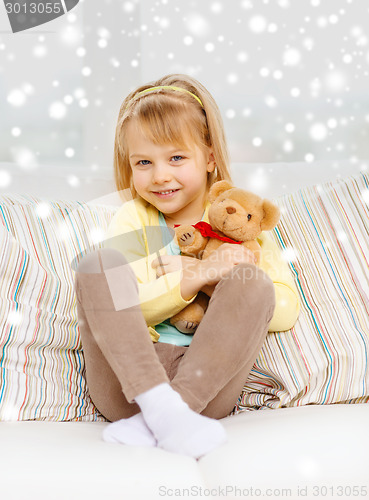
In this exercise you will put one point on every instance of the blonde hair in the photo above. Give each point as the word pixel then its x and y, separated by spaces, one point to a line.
pixel 167 116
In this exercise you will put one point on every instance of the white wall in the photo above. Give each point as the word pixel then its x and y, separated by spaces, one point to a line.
pixel 252 55
pixel 39 69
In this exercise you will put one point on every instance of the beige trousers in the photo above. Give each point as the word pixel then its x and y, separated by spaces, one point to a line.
pixel 122 361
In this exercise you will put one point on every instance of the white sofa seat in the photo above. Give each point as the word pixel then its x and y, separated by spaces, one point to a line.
pixel 297 450
pixel 290 448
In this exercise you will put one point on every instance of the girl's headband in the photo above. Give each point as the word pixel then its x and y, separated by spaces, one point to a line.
pixel 180 89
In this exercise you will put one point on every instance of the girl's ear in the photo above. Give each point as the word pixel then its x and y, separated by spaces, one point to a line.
pixel 211 161
pixel 217 188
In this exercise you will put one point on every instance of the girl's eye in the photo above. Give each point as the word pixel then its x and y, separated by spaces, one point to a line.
pixel 176 159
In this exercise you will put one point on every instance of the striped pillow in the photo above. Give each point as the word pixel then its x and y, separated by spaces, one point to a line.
pixel 41 362
pixel 324 233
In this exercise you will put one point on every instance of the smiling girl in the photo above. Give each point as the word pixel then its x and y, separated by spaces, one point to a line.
pixel 159 386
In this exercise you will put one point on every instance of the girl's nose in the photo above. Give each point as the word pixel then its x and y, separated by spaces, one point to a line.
pixel 161 174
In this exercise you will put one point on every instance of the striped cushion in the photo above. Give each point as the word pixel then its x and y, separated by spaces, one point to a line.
pixel 41 362
pixel 324 232
pixel 323 359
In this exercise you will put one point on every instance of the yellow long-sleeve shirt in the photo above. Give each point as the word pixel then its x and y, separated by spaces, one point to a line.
pixel 135 231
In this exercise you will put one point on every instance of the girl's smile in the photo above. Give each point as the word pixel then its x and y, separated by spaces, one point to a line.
pixel 166 194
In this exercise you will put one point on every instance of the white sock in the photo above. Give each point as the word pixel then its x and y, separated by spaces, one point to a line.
pixel 132 430
pixel 176 427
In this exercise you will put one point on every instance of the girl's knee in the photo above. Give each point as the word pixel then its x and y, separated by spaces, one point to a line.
pixel 249 279
pixel 100 260
pixel 105 273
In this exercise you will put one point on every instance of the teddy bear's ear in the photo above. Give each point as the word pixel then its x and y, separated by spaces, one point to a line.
pixel 217 188
pixel 271 215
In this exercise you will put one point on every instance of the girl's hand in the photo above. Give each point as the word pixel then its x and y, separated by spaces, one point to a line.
pixel 191 282
pixel 229 252
pixel 169 263
pixel 222 260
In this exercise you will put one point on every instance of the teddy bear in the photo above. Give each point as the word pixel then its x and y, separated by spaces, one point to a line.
pixel 235 216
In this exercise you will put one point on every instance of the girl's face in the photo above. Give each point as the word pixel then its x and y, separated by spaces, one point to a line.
pixel 173 180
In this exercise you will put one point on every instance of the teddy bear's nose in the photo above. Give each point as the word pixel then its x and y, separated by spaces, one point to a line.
pixel 231 210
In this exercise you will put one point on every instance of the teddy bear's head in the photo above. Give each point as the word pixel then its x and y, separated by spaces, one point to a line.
pixel 239 214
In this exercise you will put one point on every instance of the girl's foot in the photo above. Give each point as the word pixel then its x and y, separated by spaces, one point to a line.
pixel 132 430
pixel 176 427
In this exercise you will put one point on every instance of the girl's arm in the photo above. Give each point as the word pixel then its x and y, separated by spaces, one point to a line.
pixel 287 297
pixel 160 297
pixel 164 293
pixel 203 274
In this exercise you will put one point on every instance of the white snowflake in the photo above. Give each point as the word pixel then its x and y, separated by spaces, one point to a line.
pixel 5 179
pixel 57 110
pixel 83 103
pixel 308 43
pixel 14 318
pixel 288 146
pixel 188 40
pixel 73 181
pixel 70 35
pixel 216 7
pixel 232 78
pixel 39 51
pixel 277 74
pixel 16 131
pixel 69 152
pixel 16 98
pixel 68 99
pixel 335 81
pixel 128 6
pixel 291 57
pixel 97 234
pixel 257 24
pixel 289 254
pixel 295 92
pixel 197 25
pixel 43 210
pixel 230 113
pixel 271 101
pixel 81 51
pixel 209 47
pixel 102 43
pixel 114 62
pixel 242 57
pixel 365 196
pixel 86 71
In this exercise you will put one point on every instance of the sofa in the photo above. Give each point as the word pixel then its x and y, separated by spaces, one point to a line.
pixel 299 427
